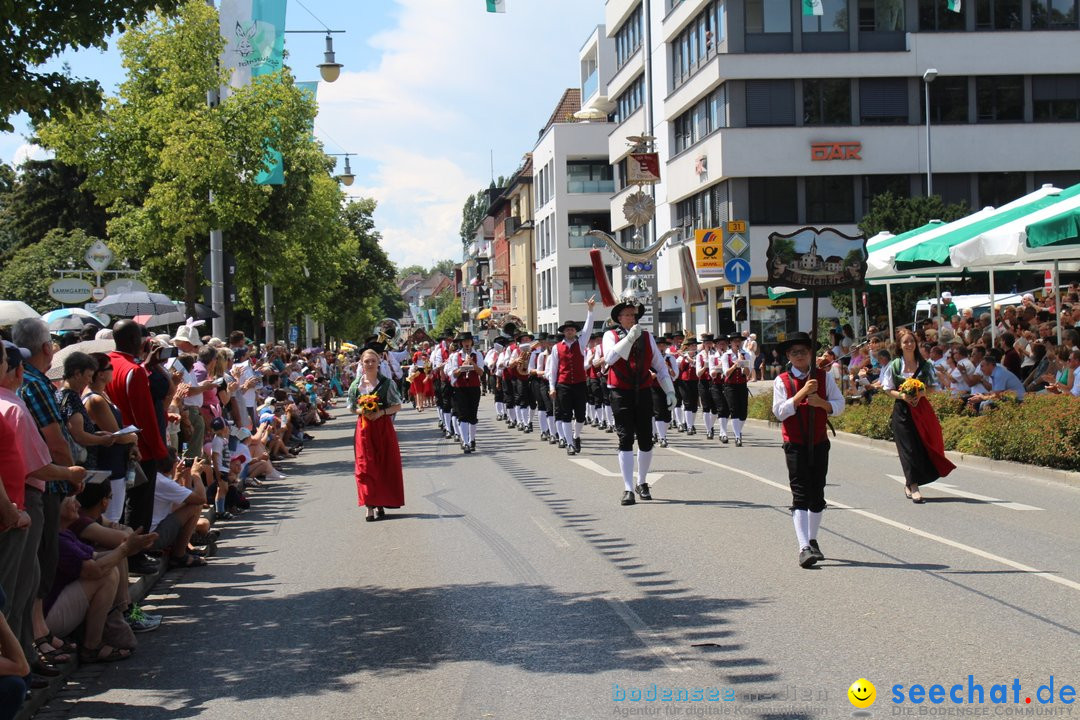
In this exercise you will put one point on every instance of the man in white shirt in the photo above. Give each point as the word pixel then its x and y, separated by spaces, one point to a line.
pixel 179 495
pixel 246 377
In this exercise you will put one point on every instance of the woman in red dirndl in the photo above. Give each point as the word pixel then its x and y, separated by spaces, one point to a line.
pixel 379 481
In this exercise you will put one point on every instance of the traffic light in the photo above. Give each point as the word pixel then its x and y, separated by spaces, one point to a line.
pixel 738 304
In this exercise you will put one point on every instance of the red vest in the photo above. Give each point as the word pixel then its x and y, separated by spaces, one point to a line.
pixel 794 428
pixel 737 376
pixel 632 374
pixel 590 369
pixel 469 379
pixel 510 371
pixel 571 363
pixel 686 370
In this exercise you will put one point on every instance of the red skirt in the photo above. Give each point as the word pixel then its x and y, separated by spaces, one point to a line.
pixel 379 481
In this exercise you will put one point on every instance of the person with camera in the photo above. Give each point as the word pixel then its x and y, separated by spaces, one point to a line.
pixel 631 353
pixel 179 496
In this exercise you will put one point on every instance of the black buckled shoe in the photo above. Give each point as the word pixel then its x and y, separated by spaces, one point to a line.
pixel 571 450
pixel 577 444
pixel 724 439
pixel 816 550
pixel 738 441
pixel 627 498
pixel 663 442
pixel 710 435
pixel 807 558
pixel 643 491
pixel 561 443
pixel 692 431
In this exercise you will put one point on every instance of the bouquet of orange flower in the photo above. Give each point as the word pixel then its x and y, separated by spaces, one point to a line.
pixel 367 403
pixel 912 387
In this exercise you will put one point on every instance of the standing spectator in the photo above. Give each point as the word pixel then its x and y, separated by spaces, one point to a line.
pixel 13 668
pixel 25 609
pixel 947 306
pixel 245 375
pixel 79 368
pixel 38 393
pixel 130 390
pixel 106 416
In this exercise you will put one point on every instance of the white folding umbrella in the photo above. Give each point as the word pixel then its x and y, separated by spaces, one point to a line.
pixel 12 311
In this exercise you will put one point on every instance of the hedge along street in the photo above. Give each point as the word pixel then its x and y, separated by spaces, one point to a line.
pixel 1041 431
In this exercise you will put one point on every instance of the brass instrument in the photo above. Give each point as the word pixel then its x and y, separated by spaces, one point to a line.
pixel 389 332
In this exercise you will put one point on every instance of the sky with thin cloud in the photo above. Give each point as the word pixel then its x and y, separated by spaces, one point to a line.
pixel 433 94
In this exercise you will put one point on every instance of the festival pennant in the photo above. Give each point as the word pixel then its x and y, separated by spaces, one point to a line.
pixel 813 7
pixel 954 5
pixel 496 6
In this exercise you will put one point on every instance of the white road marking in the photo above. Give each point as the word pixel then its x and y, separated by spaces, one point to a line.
pixel 599 469
pixel 648 637
pixel 900 526
pixel 953 490
pixel 551 532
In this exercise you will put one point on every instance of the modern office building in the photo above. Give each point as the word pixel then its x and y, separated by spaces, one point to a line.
pixel 572 184
pixel 784 120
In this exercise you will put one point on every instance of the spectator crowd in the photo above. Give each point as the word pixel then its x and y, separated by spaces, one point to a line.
pixel 117 449
pixel 979 357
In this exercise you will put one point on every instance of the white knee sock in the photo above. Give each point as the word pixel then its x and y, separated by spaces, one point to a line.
pixel 723 426
pixel 551 425
pixel 689 419
pixel 644 460
pixel 661 429
pixel 577 428
pixel 457 424
pixel 543 420
pixel 626 464
pixel 563 429
pixel 800 519
pixel 708 422
pixel 590 412
pixel 738 427
pixel 609 414
pixel 812 525
pixel 678 415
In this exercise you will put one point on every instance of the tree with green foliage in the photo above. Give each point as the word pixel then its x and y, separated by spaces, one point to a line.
pixel 474 210
pixel 36 31
pixel 897 214
pixel 30 271
pixel 449 320
pixel 154 154
pixel 47 195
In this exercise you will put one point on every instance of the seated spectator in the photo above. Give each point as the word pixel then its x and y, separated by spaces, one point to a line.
pixel 252 460
pixel 179 495
pixel 87 588
pixel 1001 382
pixel 1068 381
pixel 93 528
pixel 13 668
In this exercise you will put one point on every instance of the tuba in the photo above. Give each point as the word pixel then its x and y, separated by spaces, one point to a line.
pixel 389 332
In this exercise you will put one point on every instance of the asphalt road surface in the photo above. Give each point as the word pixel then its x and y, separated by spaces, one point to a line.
pixel 514 585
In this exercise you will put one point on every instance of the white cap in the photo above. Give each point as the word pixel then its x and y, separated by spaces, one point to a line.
pixel 946 295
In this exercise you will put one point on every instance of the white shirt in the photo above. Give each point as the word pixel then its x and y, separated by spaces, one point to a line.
pixel 736 357
pixel 243 372
pixel 194 398
pixel 167 495
pixel 457 359
pixel 783 407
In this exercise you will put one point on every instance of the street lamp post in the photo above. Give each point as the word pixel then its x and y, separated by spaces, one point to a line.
pixel 928 77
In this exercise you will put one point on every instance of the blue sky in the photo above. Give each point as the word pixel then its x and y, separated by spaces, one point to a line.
pixel 430 89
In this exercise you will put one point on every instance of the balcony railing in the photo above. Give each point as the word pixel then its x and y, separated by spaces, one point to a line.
pixel 590 186
pixel 589 87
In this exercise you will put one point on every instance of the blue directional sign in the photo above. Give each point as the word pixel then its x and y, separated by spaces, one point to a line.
pixel 737 271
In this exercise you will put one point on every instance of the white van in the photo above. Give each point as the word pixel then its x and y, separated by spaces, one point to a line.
pixel 978 304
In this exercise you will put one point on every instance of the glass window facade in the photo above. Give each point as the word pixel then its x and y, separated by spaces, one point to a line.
pixel 948 101
pixel 833 19
pixel 628 38
pixel 774 201
pixel 768 16
pixel 998 14
pixel 883 101
pixel 630 99
pixel 999 98
pixel 827 102
pixel 698 42
pixel 580 224
pixel 704 117
pixel 1054 14
pixel 770 103
pixel 1056 98
pixel 882 16
pixel 589 176
pixel 830 199
pixel 935 16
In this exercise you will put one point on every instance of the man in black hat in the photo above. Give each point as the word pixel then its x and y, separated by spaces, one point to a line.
pixel 661 411
pixel 439 355
pixel 687 378
pixel 518 364
pixel 545 404
pixel 721 411
pixel 701 366
pixel 465 369
pixel 735 366
pixel 631 353
pixel 804 396
pixel 594 404
pixel 566 380
pixel 491 362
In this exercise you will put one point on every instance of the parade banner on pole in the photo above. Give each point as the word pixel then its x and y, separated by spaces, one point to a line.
pixel 254 31
pixel 813 7
pixel 496 6
pixel 310 87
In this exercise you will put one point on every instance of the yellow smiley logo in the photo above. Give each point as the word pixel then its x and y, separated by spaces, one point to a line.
pixel 862 693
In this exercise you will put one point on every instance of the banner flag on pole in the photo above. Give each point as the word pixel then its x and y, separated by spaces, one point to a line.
pixel 311 87
pixel 954 5
pixel 254 31
pixel 496 6
pixel 813 7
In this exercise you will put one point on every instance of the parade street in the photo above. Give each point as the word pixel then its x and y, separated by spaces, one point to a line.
pixel 514 585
